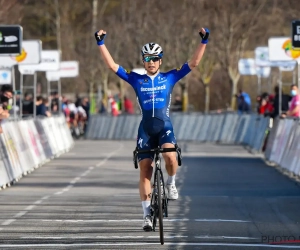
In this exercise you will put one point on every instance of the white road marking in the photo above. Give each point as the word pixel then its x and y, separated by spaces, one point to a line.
pixel 30 207
pixel 221 220
pixel 126 195
pixel 255 246
pixel 99 164
pixel 139 220
pixel 75 180
pixel 7 222
pixel 225 237
pixel 20 214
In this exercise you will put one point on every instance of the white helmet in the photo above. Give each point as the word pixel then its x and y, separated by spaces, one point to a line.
pixel 152 49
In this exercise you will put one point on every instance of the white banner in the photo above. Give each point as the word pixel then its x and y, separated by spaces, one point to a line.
pixel 263 72
pixel 288 66
pixel 247 67
pixel 262 56
pixel 31 54
pixel 49 62
pixel 280 49
pixel 67 69
pixel 5 76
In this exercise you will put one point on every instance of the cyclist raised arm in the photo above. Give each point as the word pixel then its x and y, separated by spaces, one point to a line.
pixel 109 61
pixel 154 92
pixel 204 33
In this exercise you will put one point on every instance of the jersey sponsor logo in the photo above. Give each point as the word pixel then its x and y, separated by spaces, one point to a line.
pixel 153 89
pixel 146 80
pixel 168 109
pixel 140 142
pixel 161 79
pixel 154 100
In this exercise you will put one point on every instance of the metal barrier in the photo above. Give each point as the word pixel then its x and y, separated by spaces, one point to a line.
pixel 28 144
pixel 283 146
pixel 227 128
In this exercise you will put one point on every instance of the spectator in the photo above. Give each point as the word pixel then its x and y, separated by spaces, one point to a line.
pixel 27 104
pixel 78 100
pixel 246 98
pixel 114 106
pixel 85 104
pixel 284 102
pixel 265 107
pixel 128 105
pixel 54 101
pixel 41 108
pixel 294 110
pixel 243 106
pixel 102 107
pixel 5 100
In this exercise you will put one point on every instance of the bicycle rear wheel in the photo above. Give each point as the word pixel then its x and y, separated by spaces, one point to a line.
pixel 160 211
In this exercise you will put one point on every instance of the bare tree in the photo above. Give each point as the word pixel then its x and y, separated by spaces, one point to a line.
pixel 235 21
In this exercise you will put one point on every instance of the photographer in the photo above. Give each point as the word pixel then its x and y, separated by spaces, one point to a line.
pixel 6 95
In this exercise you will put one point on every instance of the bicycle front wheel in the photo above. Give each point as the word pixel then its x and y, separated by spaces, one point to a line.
pixel 160 211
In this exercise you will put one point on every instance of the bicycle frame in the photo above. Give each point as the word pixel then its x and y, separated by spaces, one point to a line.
pixel 162 183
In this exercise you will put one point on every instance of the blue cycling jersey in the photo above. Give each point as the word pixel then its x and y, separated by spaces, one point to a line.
pixel 154 93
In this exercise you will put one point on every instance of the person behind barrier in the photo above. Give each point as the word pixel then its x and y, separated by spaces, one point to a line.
pixel 41 108
pixel 284 102
pixel 243 102
pixel 6 96
pixel 153 91
pixel 294 110
pixel 27 105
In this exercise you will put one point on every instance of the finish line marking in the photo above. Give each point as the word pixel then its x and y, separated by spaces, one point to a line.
pixel 145 243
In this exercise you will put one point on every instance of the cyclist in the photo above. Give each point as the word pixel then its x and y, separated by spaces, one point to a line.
pixel 153 92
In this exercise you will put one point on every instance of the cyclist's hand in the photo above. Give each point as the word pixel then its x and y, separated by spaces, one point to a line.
pixel 100 35
pixel 204 34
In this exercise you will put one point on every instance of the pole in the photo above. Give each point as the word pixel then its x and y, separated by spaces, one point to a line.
pixel 280 92
pixel 258 84
pixel 21 95
pixel 59 96
pixel 14 90
pixel 298 62
pixel 48 91
pixel 34 94
pixel 270 83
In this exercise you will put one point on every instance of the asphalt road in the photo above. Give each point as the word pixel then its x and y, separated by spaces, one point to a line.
pixel 88 199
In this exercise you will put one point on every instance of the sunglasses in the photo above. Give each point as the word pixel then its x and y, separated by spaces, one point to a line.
pixel 151 58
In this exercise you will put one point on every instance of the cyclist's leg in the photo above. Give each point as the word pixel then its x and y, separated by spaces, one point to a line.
pixel 145 161
pixel 168 140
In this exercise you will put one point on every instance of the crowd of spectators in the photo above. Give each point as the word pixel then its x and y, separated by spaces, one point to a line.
pixel 268 104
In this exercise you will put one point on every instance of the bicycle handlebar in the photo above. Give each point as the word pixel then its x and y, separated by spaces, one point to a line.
pixel 157 150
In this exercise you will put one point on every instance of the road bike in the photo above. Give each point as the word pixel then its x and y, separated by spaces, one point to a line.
pixel 159 199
